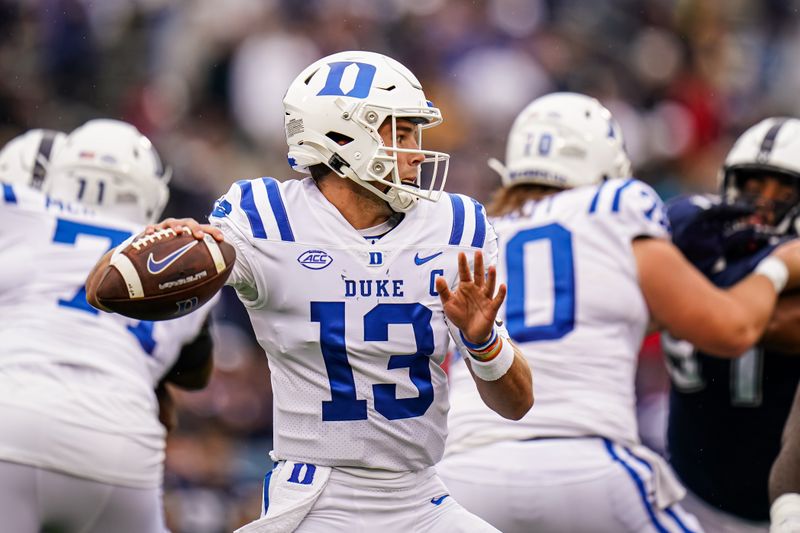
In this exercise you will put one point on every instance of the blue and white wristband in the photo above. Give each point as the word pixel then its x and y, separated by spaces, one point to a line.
pixel 479 347
pixel 491 360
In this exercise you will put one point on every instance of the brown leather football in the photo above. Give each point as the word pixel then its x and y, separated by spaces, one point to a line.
pixel 164 275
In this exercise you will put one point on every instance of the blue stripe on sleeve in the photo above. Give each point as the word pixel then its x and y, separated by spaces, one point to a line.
pixel 278 209
pixel 618 195
pixel 639 486
pixel 596 198
pixel 8 194
pixel 480 226
pixel 458 219
pixel 248 205
pixel 267 480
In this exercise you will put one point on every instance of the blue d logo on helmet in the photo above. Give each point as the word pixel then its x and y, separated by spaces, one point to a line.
pixel 334 110
pixel 361 87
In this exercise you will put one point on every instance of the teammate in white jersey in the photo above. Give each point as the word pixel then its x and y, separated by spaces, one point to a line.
pixel 81 446
pixel 585 253
pixel 355 279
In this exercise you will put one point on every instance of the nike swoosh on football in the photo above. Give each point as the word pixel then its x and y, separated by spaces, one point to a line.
pixel 439 500
pixel 422 260
pixel 155 266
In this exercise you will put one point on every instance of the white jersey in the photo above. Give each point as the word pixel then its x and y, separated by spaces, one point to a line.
pixel 64 359
pixel 353 328
pixel 575 309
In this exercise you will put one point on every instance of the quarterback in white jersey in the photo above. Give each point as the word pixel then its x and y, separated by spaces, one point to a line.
pixel 82 448
pixel 346 276
pixel 584 251
pixel 326 303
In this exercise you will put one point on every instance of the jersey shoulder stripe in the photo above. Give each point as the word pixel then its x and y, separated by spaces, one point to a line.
pixel 278 209
pixel 596 197
pixel 9 196
pixel 468 223
pixel 257 208
pixel 480 225
pixel 248 205
pixel 458 219
pixel 601 195
pixel 618 195
pixel 631 205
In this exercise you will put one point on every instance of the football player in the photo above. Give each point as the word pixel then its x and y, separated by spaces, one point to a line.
pixel 81 446
pixel 745 399
pixel 355 279
pixel 585 252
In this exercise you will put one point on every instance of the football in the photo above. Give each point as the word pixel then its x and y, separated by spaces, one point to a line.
pixel 164 275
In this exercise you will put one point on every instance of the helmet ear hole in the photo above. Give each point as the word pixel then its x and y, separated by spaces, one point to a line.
pixel 339 138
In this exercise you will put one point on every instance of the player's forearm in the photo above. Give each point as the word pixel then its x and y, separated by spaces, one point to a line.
pixel 682 300
pixel 510 396
pixel 783 331
pixel 748 306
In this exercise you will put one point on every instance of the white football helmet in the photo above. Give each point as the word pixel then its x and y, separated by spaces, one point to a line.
pixel 563 140
pixel 333 111
pixel 111 166
pixel 771 147
pixel 24 160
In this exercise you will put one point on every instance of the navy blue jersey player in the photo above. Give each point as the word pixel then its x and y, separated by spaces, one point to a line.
pixel 727 414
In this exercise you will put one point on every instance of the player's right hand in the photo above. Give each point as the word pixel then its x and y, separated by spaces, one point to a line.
pixel 177 224
pixel 789 253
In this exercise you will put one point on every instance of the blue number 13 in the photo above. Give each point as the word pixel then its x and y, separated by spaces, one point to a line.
pixel 344 403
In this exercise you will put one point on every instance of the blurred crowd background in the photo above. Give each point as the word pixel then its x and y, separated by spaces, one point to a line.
pixel 204 79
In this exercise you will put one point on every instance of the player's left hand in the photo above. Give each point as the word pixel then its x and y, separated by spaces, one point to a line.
pixel 472 307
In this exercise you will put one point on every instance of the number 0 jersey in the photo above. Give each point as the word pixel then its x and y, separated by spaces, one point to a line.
pixel 353 327
pixel 575 310
pixel 63 358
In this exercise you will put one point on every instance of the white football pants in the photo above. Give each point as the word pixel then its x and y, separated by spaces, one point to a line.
pixel 414 502
pixel 32 498
pixel 560 486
